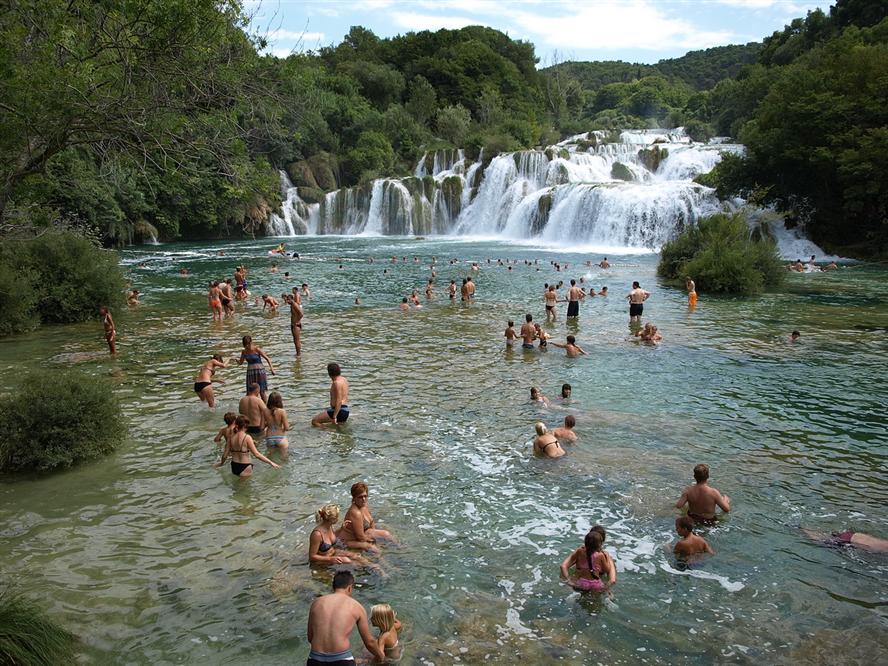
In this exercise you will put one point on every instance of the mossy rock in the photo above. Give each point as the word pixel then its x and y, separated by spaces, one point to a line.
pixel 564 154
pixel 660 139
pixel 621 172
pixel 310 195
pixel 300 174
pixel 651 158
pixel 584 146
pixel 325 169
pixel 451 190
pixel 541 217
pixel 550 153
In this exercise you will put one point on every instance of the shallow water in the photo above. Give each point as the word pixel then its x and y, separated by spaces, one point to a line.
pixel 152 556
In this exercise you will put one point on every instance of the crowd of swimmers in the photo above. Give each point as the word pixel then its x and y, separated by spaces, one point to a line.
pixel 357 540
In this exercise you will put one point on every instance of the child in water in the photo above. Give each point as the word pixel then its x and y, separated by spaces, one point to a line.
pixel 690 545
pixel 384 618
pixel 225 432
pixel 510 335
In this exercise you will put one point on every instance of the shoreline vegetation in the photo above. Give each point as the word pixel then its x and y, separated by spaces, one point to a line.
pixel 28 637
pixel 175 156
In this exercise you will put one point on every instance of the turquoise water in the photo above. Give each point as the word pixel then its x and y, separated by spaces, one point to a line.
pixel 152 556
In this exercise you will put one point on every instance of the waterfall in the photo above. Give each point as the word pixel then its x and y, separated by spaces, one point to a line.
pixel 634 189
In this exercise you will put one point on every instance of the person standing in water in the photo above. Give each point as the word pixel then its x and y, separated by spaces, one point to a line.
pixel 692 291
pixel 338 412
pixel 451 290
pixel 296 315
pixel 604 263
pixel 110 330
pixel 702 499
pixel 331 620
pixel 510 335
pixel 255 370
pixel 546 444
pixel 551 298
pixel 571 347
pixel 239 447
pixel 429 289
pixel 254 408
pixel 214 298
pixel 690 544
pixel 636 299
pixel 591 562
pixel 470 288
pixel 227 297
pixel 276 423
pixel 203 383
pixel 574 295
pixel 528 332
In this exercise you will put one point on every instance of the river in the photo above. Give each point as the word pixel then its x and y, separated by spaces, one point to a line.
pixel 152 556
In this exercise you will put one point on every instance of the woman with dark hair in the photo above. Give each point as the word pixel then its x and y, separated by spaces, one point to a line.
pixel 255 370
pixel 203 383
pixel 591 563
pixel 359 530
pixel 238 447
pixel 277 425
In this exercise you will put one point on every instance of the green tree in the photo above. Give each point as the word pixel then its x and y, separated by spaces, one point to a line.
pixel 422 101
pixel 453 123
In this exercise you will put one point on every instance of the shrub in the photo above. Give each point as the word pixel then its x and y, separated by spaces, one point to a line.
pixel 28 637
pixel 722 257
pixel 57 418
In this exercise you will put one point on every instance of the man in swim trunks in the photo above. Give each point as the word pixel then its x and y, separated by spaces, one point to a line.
pixel 464 290
pixel 470 288
pixel 331 619
pixel 702 499
pixel 269 302
pixel 252 407
pixel 110 331
pixel 636 299
pixel 574 295
pixel 296 315
pixel 451 290
pixel 227 297
pixel 337 413
pixel 566 432
pixel 528 333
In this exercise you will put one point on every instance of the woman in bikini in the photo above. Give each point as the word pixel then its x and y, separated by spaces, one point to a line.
pixel 590 563
pixel 359 530
pixel 203 383
pixel 277 425
pixel 239 447
pixel 255 370
pixel 546 444
pixel 322 540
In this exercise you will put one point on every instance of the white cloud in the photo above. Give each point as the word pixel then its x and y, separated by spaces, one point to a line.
pixel 288 35
pixel 415 21
pixel 637 24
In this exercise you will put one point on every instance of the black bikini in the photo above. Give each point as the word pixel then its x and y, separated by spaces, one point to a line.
pixel 324 546
pixel 238 468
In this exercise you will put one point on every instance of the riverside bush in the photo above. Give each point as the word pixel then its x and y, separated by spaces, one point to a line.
pixel 721 256
pixel 57 418
pixel 59 277
pixel 28 637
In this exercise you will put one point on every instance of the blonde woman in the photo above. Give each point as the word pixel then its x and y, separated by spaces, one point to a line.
pixel 546 444
pixel 322 540
pixel 383 617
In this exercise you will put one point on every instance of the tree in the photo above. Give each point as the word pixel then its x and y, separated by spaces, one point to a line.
pixel 422 101
pixel 453 123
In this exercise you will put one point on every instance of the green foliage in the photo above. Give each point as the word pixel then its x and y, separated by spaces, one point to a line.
pixel 697 130
pixel 721 256
pixel 453 123
pixel 58 277
pixel 422 101
pixel 372 154
pixel 28 637
pixel 56 418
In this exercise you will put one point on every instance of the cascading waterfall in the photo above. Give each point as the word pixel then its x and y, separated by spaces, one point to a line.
pixel 637 192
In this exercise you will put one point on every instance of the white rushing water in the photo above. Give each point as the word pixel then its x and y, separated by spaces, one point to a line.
pixel 635 191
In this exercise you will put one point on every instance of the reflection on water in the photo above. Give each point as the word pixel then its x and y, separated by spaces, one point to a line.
pixel 153 556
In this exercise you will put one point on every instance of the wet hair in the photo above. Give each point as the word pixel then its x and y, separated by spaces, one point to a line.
pixel 635 285
pixel 342 580
pixel 229 418
pixel 604 289
pixel 534 391
pixel 264 295
pixel 551 287
pixel 528 318
pixel 701 473
pixel 247 340
pixel 254 387
pixel 573 283
pixel 565 387
pixel 592 542
pixel 540 428
pixel 275 401
pixel 571 339
pixel 511 323
pixel 333 369
pixel 404 300
pixel 601 531
pixel 383 617
pixel 796 334
pixel 241 422
pixel 685 523
pixel 570 421
pixel 329 513
pixel 287 274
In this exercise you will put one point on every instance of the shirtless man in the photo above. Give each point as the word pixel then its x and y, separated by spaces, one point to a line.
pixel 464 290
pixel 451 290
pixel 636 299
pixel 603 291
pixel 470 288
pixel 795 336
pixel 604 263
pixel 574 296
pixel 110 331
pixel 227 297
pixel 296 315
pixel 528 332
pixel 252 407
pixel 566 433
pixel 331 619
pixel 337 413
pixel 132 297
pixel 240 281
pixel 551 298
pixel 702 499
pixel 831 266
pixel 690 544
pixel 214 298
pixel 269 302
pixel 572 349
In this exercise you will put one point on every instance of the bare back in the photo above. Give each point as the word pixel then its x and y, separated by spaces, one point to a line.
pixel 254 409
pixel 339 391
pixel 702 499
pixel 331 620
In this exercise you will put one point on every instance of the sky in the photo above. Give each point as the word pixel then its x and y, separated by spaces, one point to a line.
pixel 633 30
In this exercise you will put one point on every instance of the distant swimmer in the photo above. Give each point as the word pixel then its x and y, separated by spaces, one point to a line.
pixel 214 298
pixel 546 444
pixel 183 272
pixel 574 296
pixel 414 298
pixel 551 298
pixel 590 563
pixel 269 302
pixel 203 383
pixel 690 544
pixel 338 412
pixel 571 347
pixel 603 291
pixel 306 292
pixel 405 305
pixel 239 448
pixel 566 432
pixel 331 620
pixel 451 290
pixel 536 396
pixel 276 423
pixel 692 291
pixel 795 336
pixel 702 499
pixel 849 538
pixel 464 290
pixel 831 266
pixel 357 300
pixel 510 335
pixel 110 330
pixel 132 297
pixel 636 299
pixel 528 332
pixel 604 263
pixel 253 356
pixel 565 392
pixel 470 287
pixel 274 268
pixel 649 333
pixel 429 289
pixel 253 408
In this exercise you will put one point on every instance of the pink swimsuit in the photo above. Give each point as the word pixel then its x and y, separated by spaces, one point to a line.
pixel 589 584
